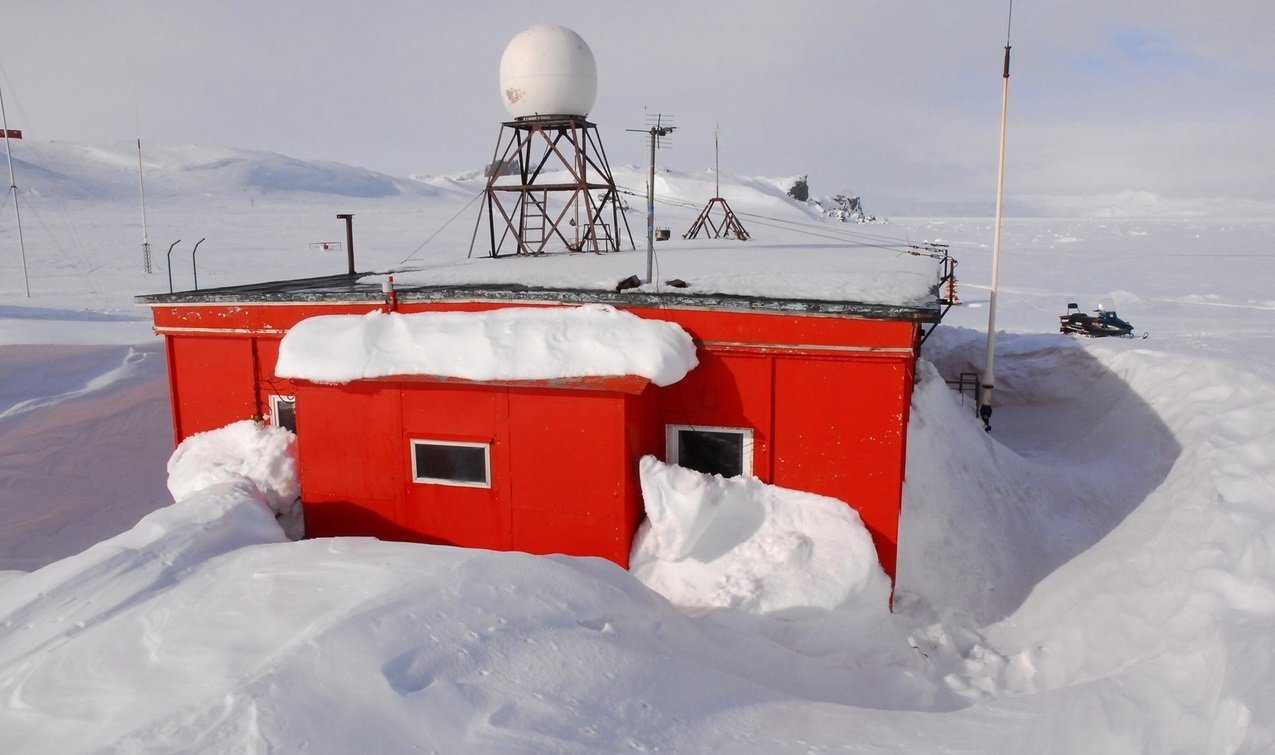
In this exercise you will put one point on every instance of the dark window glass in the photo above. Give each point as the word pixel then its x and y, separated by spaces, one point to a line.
pixel 711 452
pixel 285 414
pixel 466 464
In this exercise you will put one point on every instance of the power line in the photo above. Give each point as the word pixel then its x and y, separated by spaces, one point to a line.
pixel 442 227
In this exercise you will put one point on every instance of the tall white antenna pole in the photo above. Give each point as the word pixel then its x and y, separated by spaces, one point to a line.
pixel 989 371
pixel 141 186
pixel 13 189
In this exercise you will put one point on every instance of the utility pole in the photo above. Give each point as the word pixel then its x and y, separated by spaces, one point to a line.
pixel 656 131
pixel 13 190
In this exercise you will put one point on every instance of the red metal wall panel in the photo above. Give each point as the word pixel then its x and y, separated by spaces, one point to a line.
pixel 471 516
pixel 725 326
pixel 244 318
pixel 211 382
pixel 562 465
pixel 839 431
pixel 349 454
pixel 727 390
pixel 568 471
pixel 267 356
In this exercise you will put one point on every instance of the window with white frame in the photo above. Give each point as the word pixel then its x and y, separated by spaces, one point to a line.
pixel 283 412
pixel 727 451
pixel 441 462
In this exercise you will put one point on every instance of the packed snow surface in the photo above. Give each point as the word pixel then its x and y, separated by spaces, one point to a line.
pixel 517 343
pixel 1095 575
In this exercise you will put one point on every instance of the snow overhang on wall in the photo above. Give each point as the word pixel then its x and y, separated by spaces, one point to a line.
pixel 511 344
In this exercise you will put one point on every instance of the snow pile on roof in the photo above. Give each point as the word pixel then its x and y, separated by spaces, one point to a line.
pixel 262 456
pixel 520 343
pixel 738 543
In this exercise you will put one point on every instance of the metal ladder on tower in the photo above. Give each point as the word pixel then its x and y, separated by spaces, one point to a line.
pixel 534 222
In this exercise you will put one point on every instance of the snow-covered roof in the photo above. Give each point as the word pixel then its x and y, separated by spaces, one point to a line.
pixel 803 271
pixel 511 344
pixel 832 278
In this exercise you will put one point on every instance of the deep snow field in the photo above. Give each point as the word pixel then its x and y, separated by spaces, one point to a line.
pixel 1096 575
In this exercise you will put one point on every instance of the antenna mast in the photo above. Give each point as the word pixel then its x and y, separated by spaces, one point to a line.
pixel 656 130
pixel 146 242
pixel 717 165
pixel 730 223
pixel 13 189
pixel 989 372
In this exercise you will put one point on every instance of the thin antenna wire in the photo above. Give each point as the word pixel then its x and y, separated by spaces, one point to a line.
pixel 989 371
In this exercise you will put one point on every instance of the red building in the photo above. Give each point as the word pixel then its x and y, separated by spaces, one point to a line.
pixel 804 394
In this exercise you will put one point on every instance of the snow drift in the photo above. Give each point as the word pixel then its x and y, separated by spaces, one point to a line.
pixel 261 455
pixel 202 628
pixel 738 543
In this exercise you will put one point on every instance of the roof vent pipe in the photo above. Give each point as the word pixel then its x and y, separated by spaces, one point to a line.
pixel 349 239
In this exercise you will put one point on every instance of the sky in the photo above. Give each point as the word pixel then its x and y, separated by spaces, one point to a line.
pixel 899 102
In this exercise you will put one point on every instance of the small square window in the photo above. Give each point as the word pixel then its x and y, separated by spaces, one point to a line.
pixel 727 451
pixel 451 463
pixel 283 412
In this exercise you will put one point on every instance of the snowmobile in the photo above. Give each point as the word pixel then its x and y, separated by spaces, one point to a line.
pixel 1104 323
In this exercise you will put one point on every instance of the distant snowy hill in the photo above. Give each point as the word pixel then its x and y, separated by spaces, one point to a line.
pixel 110 172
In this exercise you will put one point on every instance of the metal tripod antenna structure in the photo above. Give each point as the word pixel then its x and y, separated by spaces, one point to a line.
pixel 730 224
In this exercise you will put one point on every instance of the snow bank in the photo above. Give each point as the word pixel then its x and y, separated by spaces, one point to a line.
pixel 1074 448
pixel 208 637
pixel 518 343
pixel 47 614
pixel 262 455
pixel 711 542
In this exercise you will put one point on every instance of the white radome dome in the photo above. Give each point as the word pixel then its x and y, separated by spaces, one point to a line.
pixel 548 70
